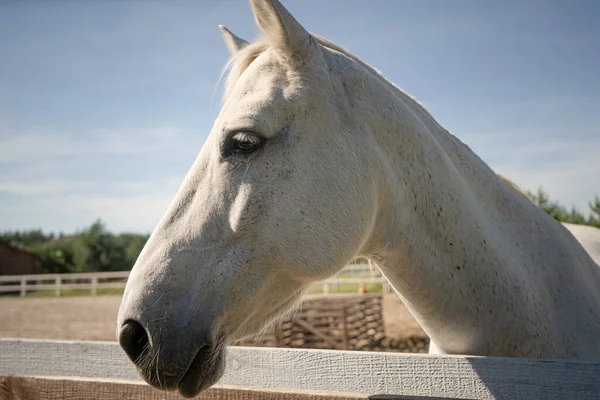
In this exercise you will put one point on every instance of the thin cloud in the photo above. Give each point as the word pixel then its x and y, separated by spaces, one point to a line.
pixel 65 187
pixel 124 206
pixel 568 171
pixel 32 147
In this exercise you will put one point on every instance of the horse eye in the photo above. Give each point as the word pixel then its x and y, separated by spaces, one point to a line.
pixel 244 143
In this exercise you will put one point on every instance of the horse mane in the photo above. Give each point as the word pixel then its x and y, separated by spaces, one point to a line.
pixel 241 60
pixel 513 186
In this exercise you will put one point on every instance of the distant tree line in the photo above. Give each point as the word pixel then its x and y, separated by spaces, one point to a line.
pixel 90 250
pixel 96 249
pixel 563 214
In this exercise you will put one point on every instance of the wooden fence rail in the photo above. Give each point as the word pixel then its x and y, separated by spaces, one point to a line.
pixel 91 281
pixel 359 274
pixel 34 366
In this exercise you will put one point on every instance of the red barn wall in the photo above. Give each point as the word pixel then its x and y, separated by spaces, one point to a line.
pixel 16 262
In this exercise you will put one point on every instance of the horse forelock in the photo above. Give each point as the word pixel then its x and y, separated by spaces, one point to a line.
pixel 240 61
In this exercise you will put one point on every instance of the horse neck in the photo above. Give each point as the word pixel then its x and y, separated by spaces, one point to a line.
pixel 439 206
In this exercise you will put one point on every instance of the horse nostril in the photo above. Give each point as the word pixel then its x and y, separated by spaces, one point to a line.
pixel 134 340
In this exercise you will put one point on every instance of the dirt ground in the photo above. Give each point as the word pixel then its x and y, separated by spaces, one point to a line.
pixel 93 318
pixel 398 321
pixel 76 318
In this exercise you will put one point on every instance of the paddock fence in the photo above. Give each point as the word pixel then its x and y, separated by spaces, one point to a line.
pixel 36 369
pixel 352 276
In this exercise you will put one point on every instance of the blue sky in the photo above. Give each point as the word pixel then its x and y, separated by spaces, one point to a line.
pixel 104 105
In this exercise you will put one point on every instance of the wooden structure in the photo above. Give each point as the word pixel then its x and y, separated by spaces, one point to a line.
pixel 36 369
pixel 329 322
pixel 15 261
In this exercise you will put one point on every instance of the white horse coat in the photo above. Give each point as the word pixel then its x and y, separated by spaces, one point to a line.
pixel 588 236
pixel 315 159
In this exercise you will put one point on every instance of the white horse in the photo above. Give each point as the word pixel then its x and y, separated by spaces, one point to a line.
pixel 315 159
pixel 587 236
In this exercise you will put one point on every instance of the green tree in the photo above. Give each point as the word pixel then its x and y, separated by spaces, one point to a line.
pixel 95 249
pixel 560 213
pixel 553 209
pixel 133 245
pixel 594 218
pixel 53 259
pixel 92 249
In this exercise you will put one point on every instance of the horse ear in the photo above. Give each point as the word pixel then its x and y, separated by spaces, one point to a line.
pixel 233 42
pixel 280 27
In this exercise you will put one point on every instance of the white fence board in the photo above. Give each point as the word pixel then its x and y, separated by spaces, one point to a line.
pixel 360 273
pixel 363 268
pixel 77 275
pixel 344 371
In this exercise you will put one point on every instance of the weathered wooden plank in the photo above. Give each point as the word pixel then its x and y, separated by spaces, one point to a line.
pixel 318 333
pixel 63 388
pixel 10 288
pixel 346 371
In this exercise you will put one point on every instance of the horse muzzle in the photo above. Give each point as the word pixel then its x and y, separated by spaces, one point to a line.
pixel 164 365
